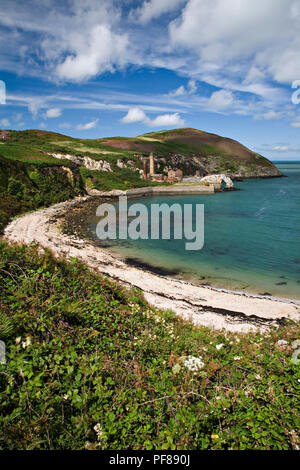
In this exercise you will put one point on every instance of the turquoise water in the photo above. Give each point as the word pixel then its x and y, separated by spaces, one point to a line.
pixel 252 238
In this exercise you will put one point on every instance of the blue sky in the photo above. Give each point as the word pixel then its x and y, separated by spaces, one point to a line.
pixel 98 68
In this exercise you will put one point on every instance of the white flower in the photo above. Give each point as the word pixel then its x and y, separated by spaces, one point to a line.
pixel 193 363
pixel 283 343
pixel 66 396
pixel 236 358
pixel 219 346
pixel 176 369
pixel 98 430
pixel 26 343
pixel 18 340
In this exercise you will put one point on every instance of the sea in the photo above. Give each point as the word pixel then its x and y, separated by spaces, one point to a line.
pixel 252 238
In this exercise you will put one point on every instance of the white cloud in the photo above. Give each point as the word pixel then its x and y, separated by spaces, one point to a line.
pixel 220 100
pixel 280 147
pixel 166 120
pixel 178 92
pixel 252 37
pixel 284 148
pixel 269 115
pixel 34 106
pixel 237 45
pixel 87 126
pixel 191 88
pixel 53 113
pixel 163 120
pixel 152 9
pixel 5 122
pixel 95 52
pixel 134 115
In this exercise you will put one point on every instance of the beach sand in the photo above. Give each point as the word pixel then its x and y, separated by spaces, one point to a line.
pixel 236 312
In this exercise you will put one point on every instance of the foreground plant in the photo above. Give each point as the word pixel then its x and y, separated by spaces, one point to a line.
pixel 90 365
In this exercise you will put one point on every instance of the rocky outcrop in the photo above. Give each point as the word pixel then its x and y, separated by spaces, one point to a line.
pixel 87 162
pixel 217 181
pixel 233 167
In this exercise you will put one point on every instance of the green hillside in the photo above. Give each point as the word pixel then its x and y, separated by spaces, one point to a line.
pixel 30 177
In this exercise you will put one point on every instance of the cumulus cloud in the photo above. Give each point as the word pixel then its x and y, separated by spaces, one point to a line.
pixel 245 46
pixel 95 52
pixel 71 40
pixel 220 100
pixel 152 9
pixel 163 120
pixel 166 120
pixel 53 113
pixel 182 90
pixel 134 115
pixel 87 126
pixel 229 32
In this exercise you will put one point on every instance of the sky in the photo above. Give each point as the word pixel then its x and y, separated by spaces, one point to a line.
pixel 99 68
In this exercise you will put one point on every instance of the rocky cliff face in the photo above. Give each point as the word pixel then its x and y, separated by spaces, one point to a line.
pixel 233 167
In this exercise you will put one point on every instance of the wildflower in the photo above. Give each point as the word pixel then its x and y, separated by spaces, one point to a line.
pixel 194 363
pixel 296 344
pixel 18 340
pixel 215 436
pixel 98 430
pixel 176 369
pixel 236 358
pixel 282 343
pixel 26 343
pixel 66 396
pixel 219 346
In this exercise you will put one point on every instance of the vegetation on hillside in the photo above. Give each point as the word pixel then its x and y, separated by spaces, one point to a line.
pixel 26 186
pixel 91 366
pixel 31 178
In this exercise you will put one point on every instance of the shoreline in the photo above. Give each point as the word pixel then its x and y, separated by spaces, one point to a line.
pixel 203 305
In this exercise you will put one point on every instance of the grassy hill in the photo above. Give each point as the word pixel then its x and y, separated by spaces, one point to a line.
pixel 192 149
pixel 30 177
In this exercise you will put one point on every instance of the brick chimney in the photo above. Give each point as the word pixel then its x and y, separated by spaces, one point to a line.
pixel 152 171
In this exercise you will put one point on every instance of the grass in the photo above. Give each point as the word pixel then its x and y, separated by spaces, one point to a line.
pixel 90 365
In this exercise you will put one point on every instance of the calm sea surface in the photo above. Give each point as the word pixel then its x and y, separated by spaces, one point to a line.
pixel 252 238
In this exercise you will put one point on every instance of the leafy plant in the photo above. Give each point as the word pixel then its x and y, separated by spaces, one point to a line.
pixel 6 326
